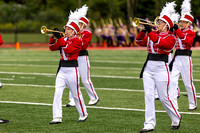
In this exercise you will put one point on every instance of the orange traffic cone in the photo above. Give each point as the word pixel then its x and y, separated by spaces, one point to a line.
pixel 17 45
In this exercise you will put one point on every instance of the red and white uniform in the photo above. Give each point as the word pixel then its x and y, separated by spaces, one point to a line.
pixel 182 65
pixel 68 74
pixel 84 65
pixel 86 36
pixel 156 75
pixel 1 40
pixel 1 43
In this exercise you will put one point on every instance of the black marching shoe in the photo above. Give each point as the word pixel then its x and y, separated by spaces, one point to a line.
pixel 146 130
pixel 1 85
pixel 157 99
pixel 93 102
pixel 71 104
pixel 176 126
pixel 83 118
pixel 3 121
pixel 56 121
pixel 192 109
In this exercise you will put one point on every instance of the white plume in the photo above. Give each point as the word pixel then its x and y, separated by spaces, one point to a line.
pixel 83 10
pixel 175 17
pixel 74 16
pixel 186 7
pixel 168 9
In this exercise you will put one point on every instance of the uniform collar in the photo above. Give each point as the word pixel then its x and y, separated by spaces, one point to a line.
pixel 164 33
pixel 184 30
pixel 71 37
pixel 83 30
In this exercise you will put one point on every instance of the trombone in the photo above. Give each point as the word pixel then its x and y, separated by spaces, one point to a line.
pixel 138 21
pixel 44 31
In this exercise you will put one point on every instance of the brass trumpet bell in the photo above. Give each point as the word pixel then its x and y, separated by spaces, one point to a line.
pixel 44 31
pixel 138 21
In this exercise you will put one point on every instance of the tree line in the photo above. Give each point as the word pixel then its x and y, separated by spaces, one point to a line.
pixel 32 14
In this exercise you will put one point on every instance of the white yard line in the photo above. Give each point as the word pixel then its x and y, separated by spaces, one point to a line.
pixel 57 60
pixel 28 65
pixel 93 67
pixel 23 73
pixel 30 85
pixel 97 76
pixel 27 77
pixel 6 79
pixel 96 107
pixel 108 89
pixel 118 62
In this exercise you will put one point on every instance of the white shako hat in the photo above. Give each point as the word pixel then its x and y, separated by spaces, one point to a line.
pixel 83 11
pixel 73 21
pixel 185 11
pixel 167 12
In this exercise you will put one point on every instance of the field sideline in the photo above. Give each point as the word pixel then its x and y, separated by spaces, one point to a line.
pixel 28 78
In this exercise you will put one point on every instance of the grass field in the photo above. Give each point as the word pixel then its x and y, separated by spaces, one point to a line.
pixel 26 98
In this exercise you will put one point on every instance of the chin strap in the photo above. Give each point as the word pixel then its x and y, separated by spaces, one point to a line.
pixel 71 34
pixel 163 27
pixel 187 25
pixel 81 28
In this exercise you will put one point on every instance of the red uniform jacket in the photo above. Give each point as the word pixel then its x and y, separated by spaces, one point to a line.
pixel 69 49
pixel 185 39
pixel 1 41
pixel 156 42
pixel 86 37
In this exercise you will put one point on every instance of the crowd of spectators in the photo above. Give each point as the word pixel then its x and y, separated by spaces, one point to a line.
pixel 120 35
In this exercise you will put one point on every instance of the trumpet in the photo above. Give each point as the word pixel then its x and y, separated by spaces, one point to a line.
pixel 138 21
pixel 44 31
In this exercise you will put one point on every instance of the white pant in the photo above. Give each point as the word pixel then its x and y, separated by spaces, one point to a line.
pixel 170 57
pixel 156 75
pixel 68 76
pixel 183 66
pixel 84 70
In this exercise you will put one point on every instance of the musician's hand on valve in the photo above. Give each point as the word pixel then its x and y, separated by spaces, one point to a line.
pixel 56 34
pixel 148 28
pixel 175 27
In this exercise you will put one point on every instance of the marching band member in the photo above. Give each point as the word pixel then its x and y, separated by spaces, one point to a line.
pixel 170 57
pixel 1 43
pixel 83 60
pixel 68 72
pixel 182 64
pixel 2 120
pixel 155 72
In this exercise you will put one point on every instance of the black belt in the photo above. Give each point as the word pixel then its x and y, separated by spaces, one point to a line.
pixel 83 52
pixel 154 57
pixel 179 53
pixel 183 52
pixel 67 63
pixel 158 57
